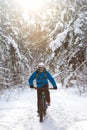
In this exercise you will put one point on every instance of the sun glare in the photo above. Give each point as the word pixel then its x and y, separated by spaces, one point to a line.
pixel 33 5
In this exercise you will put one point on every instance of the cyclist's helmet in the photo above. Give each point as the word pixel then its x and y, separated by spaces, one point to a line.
pixel 41 65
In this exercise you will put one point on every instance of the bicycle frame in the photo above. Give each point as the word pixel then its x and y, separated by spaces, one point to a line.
pixel 42 104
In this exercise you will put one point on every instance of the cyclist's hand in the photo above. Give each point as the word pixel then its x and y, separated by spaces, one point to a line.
pixel 54 87
pixel 31 86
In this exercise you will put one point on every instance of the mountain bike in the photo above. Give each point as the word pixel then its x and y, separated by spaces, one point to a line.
pixel 42 105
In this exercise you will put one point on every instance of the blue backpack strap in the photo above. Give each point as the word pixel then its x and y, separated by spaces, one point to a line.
pixel 45 76
pixel 36 73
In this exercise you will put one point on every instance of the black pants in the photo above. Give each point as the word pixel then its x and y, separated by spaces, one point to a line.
pixel 47 95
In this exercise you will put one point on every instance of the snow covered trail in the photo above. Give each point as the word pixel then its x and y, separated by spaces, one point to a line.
pixel 18 111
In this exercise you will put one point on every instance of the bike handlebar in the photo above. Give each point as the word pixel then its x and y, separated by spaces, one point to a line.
pixel 43 88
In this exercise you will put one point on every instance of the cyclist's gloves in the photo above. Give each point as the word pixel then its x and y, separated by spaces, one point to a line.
pixel 54 87
pixel 31 86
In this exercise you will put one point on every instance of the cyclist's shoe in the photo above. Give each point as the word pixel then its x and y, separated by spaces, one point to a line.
pixel 38 113
pixel 48 104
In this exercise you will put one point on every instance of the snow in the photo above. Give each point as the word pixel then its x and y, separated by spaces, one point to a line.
pixel 59 25
pixel 68 110
pixel 78 25
pixel 14 44
pixel 59 40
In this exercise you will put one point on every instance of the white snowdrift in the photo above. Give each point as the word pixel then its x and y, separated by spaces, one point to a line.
pixel 18 108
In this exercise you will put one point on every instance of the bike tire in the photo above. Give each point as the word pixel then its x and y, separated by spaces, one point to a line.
pixel 41 116
pixel 43 110
pixel 41 113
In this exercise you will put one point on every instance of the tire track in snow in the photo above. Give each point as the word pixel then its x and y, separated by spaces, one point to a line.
pixel 20 113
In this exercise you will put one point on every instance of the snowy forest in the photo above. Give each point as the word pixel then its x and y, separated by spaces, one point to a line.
pixel 53 32
pixel 56 35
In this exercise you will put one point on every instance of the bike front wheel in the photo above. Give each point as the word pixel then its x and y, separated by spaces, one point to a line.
pixel 42 110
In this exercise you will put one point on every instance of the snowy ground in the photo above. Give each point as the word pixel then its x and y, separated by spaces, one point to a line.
pixel 68 111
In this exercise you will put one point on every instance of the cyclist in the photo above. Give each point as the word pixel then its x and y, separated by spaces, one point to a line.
pixel 42 76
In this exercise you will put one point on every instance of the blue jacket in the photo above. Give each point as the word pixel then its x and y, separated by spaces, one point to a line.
pixel 41 79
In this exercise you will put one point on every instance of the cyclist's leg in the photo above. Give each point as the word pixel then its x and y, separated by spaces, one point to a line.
pixel 47 94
